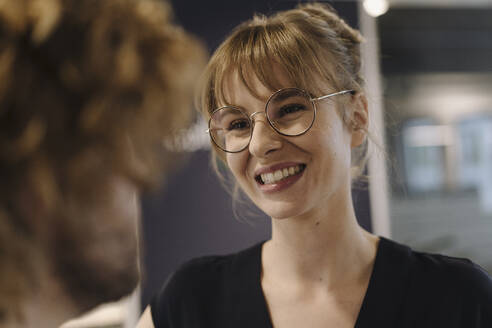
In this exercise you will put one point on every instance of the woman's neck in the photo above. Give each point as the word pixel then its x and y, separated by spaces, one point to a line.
pixel 326 246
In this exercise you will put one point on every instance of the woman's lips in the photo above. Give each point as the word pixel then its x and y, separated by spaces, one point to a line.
pixel 280 178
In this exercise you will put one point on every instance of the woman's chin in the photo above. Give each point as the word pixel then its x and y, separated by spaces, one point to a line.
pixel 282 212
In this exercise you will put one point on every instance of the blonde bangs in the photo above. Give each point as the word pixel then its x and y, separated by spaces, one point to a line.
pixel 258 50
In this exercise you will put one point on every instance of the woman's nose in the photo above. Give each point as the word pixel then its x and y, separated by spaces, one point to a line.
pixel 264 139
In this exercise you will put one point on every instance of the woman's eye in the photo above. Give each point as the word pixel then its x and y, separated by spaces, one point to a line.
pixel 290 109
pixel 238 125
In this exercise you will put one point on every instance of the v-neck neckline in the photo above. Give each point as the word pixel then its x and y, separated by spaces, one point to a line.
pixel 383 296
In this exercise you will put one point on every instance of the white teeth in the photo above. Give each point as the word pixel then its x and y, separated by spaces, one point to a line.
pixel 278 175
pixel 272 177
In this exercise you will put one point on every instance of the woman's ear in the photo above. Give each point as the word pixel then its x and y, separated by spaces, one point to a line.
pixel 359 119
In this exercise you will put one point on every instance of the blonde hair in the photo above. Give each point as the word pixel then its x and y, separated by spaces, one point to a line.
pixel 310 42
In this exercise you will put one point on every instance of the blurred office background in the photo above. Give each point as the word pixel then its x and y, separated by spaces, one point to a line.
pixel 429 72
pixel 437 83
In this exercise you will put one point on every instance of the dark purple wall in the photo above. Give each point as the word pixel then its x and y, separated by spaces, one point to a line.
pixel 192 215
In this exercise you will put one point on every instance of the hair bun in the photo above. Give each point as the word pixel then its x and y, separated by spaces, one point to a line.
pixel 330 16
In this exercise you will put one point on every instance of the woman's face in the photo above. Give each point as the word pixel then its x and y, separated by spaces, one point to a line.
pixel 317 163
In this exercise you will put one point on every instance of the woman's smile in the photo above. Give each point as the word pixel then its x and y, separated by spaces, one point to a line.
pixel 278 177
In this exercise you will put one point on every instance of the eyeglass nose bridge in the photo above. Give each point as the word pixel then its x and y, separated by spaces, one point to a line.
pixel 253 121
pixel 256 113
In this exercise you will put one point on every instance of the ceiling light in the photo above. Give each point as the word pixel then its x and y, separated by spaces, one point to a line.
pixel 376 8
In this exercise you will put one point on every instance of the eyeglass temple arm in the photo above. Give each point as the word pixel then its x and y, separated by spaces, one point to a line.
pixel 352 92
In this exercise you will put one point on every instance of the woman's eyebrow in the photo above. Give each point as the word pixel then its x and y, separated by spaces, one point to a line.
pixel 220 114
pixel 286 94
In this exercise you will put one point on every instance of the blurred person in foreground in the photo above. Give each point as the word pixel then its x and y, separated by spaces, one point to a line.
pixel 88 91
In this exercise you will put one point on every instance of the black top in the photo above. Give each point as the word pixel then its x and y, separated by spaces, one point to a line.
pixel 406 289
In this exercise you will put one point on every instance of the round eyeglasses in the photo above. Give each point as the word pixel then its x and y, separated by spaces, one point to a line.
pixel 290 112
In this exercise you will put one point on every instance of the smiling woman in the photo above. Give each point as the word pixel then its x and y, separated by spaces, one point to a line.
pixel 288 116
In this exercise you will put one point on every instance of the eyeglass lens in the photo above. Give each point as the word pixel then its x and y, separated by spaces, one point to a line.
pixel 289 111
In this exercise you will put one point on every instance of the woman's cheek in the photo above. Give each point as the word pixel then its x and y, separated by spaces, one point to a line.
pixel 238 163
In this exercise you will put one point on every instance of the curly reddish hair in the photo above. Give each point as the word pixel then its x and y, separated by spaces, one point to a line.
pixel 88 88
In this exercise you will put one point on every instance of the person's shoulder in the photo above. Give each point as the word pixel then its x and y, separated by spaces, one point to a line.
pixel 453 267
pixel 200 268
pixel 213 267
pixel 448 273
pixel 204 289
pixel 201 285
pixel 460 273
pixel 207 274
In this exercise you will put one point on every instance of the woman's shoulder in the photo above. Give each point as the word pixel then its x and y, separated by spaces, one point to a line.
pixel 446 274
pixel 216 267
pixel 204 284
pixel 457 275
pixel 423 289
